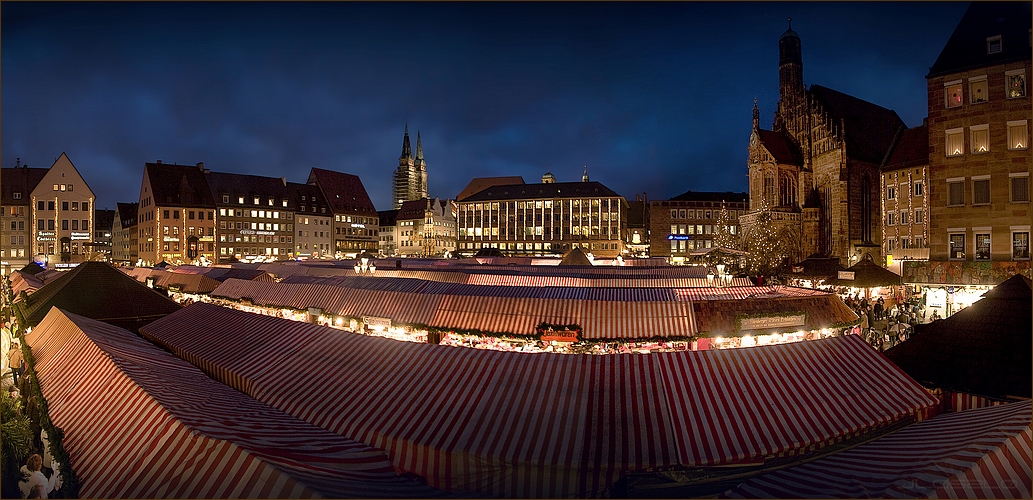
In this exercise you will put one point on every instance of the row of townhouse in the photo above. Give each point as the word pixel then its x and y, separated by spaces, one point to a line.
pixel 190 214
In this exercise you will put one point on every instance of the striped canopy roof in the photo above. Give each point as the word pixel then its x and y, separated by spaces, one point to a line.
pixel 517 424
pixel 983 453
pixel 603 313
pixel 140 423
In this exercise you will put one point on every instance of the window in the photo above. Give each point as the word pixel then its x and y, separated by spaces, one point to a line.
pixel 40 205
pixel 17 196
pixel 952 94
pixel 50 205
pixel 982 246
pixel 955 192
pixel 190 214
pixel 919 188
pixel 55 187
pixel 240 200
pixel 890 218
pixel 64 205
pixel 165 214
pixel 225 198
pixel 64 224
pixel 981 190
pixel 905 217
pixel 993 45
pixel 890 244
pixel 175 214
pixel 1015 82
pixel 980 138
pixel 891 193
pixel 1020 245
pixel 1019 187
pixel 977 90
pixel 69 187
pixel 957 246
pixel 1018 135
pixel 955 142
pixel 50 224
pixel 75 225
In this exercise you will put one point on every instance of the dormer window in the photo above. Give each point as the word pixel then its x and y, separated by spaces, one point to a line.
pixel 225 198
pixel 17 196
pixel 257 201
pixel 240 199
pixel 993 45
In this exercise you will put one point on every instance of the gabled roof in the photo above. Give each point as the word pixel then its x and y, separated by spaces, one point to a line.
pixel 412 209
pixel 867 274
pixel 103 219
pixel 575 257
pixel 179 185
pixel 910 150
pixel 637 213
pixel 126 212
pixel 982 349
pixel 313 200
pixel 248 186
pixel 784 151
pixel 479 184
pixel 554 190
pixel 869 128
pixel 20 180
pixel 726 196
pixel 99 291
pixel 345 192
pixel 967 46
pixel 387 218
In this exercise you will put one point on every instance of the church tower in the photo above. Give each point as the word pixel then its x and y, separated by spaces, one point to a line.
pixel 420 171
pixel 792 114
pixel 406 164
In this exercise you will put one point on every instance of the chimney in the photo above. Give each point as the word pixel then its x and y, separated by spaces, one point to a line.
pixel 159 162
pixel 17 162
pixel 200 166
pixel 283 180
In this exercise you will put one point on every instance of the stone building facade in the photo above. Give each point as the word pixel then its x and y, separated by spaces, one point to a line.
pixel 426 228
pixel 124 246
pixel 979 121
pixel 905 203
pixel 817 169
pixel 549 218
pixel 689 222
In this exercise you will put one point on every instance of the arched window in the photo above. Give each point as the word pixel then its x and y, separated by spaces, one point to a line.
pixel 770 192
pixel 787 189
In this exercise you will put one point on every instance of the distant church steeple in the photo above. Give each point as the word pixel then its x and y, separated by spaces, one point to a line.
pixel 584 176
pixel 756 115
pixel 410 180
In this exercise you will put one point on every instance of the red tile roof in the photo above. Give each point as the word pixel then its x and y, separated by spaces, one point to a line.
pixel 345 192
pixel 911 150
pixel 179 185
pixel 784 151
pixel 20 180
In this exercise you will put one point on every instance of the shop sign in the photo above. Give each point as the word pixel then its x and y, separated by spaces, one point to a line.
pixel 363 226
pixel 375 321
pixel 846 275
pixel 559 336
pixel 80 236
pixel 252 231
pixel 797 269
pixel 678 237
pixel 936 297
pixel 45 236
pixel 765 322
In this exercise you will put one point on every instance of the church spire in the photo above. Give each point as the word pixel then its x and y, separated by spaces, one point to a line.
pixel 419 146
pixel 406 150
pixel 756 115
pixel 584 176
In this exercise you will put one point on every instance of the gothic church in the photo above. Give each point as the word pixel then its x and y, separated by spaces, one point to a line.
pixel 410 182
pixel 817 169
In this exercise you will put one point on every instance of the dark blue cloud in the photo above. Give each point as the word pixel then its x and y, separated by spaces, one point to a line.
pixel 652 97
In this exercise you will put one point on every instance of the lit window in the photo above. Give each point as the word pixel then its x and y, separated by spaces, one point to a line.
pixel 993 45
pixel 240 200
pixel 1018 135
pixel 1016 83
pixel 1019 187
pixel 957 246
pixel 980 138
pixel 1020 245
pixel 952 94
pixel 977 90
pixel 890 242
pixel 981 190
pixel 982 246
pixel 955 142
pixel 955 192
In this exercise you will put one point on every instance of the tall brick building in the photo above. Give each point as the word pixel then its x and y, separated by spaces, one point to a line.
pixel 979 114
pixel 817 169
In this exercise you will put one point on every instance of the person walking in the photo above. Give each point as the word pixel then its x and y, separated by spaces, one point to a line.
pixel 15 362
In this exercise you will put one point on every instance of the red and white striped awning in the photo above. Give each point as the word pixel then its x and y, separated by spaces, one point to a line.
pixel 140 423
pixel 982 453
pixel 517 424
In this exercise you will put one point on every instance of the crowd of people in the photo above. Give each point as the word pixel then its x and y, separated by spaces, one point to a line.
pixel 885 326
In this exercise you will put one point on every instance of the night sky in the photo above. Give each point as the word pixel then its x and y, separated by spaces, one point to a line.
pixel 652 97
